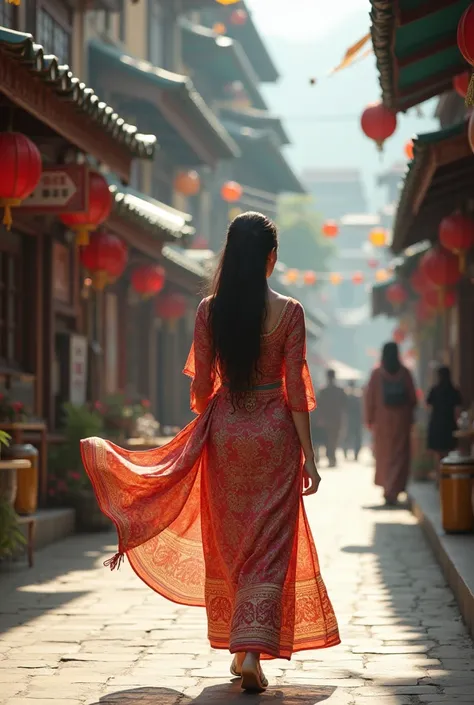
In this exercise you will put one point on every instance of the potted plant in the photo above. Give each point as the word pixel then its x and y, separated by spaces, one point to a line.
pixel 68 483
pixel 11 538
pixel 120 415
pixel 12 411
pixel 8 478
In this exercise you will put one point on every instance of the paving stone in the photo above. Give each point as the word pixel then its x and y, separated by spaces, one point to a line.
pixel 117 642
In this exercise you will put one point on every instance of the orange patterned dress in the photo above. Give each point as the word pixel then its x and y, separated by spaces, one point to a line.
pixel 215 518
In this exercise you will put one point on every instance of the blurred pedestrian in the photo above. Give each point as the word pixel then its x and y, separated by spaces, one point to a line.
pixel 331 415
pixel 353 435
pixel 390 402
pixel 445 401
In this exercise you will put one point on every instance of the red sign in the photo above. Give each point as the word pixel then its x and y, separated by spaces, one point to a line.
pixel 61 189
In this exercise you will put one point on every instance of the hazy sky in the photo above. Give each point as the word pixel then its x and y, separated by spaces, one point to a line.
pixel 302 18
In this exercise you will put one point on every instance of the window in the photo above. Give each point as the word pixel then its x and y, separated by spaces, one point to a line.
pixel 155 33
pixel 10 309
pixel 55 38
pixel 8 14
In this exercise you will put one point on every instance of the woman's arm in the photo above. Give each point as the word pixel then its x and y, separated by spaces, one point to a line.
pixel 303 429
pixel 300 395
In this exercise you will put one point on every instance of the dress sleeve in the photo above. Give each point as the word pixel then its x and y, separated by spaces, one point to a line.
pixel 199 363
pixel 298 385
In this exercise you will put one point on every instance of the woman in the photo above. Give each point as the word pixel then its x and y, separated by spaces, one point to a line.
pixel 389 408
pixel 445 402
pixel 216 518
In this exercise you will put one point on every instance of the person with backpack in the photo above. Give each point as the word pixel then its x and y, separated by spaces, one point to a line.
pixel 390 402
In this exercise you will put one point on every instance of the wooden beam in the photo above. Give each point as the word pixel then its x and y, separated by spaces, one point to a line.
pixel 412 14
pixel 38 99
pixel 145 242
pixel 446 42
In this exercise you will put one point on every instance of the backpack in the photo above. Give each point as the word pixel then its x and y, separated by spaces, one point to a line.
pixel 394 391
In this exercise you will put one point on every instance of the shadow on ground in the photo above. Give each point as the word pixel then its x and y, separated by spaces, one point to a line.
pixel 27 593
pixel 225 694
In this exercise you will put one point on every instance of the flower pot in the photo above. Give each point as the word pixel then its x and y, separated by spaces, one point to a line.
pixel 26 501
pixel 89 518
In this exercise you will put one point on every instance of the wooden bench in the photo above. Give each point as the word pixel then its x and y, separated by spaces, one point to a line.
pixel 28 520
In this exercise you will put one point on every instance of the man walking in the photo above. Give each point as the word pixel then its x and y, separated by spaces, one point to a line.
pixel 331 415
pixel 353 438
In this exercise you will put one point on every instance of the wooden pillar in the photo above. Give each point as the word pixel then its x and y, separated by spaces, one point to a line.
pixel 48 358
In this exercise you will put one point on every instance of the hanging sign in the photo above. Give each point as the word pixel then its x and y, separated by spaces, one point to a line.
pixel 77 370
pixel 61 189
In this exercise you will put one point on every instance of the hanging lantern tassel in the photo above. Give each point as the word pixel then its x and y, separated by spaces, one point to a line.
pixel 470 93
pixel 7 204
pixel 100 280
pixel 83 234
pixel 462 257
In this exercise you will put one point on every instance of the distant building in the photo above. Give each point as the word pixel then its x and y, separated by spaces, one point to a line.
pixel 336 191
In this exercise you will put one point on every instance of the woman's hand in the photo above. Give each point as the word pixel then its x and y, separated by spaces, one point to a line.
pixel 311 478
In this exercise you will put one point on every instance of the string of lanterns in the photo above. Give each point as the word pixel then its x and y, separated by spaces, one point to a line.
pixel 310 278
pixel 439 270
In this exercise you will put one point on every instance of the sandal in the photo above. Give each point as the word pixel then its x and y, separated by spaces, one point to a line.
pixel 234 670
pixel 253 679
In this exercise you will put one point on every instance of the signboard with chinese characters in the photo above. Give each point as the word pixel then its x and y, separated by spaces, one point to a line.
pixel 61 273
pixel 78 370
pixel 61 189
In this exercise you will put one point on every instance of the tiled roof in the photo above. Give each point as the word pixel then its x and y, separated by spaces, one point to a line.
pixel 151 215
pixel 63 83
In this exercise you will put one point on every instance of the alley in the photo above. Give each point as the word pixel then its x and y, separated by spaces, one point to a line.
pixel 72 632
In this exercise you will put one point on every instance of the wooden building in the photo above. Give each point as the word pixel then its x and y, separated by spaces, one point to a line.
pixel 417 57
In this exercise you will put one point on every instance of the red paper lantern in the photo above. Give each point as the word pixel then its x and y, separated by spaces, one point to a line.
pixel 436 299
pixel 200 243
pixel 231 192
pixel 373 263
pixel 409 150
pixel 239 17
pixel 103 256
pixel 357 278
pixel 309 278
pixel 456 233
pixel 378 123
pixel 399 335
pixel 396 294
pixel 423 311
pixel 148 280
pixel 118 261
pixel 330 229
pixel 440 267
pixel 461 83
pixel 171 307
pixel 100 205
pixel 20 171
pixel 419 282
pixel 465 38
pixel 187 182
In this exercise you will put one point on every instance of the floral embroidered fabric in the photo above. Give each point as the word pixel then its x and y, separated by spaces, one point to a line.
pixel 215 518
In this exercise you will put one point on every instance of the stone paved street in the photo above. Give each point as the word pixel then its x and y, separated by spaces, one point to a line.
pixel 72 632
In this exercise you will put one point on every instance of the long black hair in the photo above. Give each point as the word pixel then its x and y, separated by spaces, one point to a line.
pixel 238 305
pixel 390 358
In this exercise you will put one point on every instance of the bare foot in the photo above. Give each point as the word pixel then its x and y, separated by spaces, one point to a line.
pixel 236 665
pixel 253 678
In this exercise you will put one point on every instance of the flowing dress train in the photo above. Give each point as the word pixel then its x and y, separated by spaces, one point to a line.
pixel 215 518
